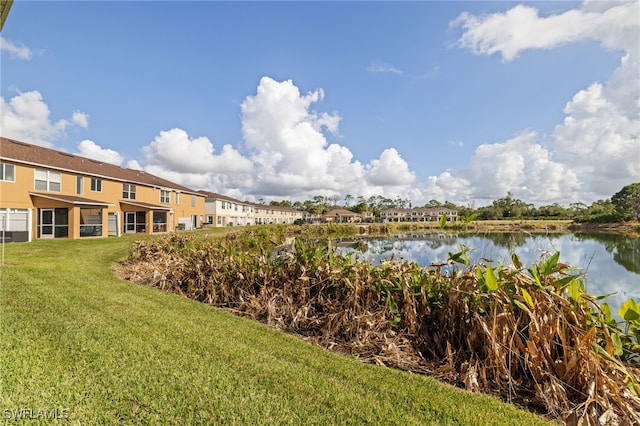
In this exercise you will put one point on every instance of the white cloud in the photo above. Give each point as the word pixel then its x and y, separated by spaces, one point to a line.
pixel 381 67
pixel 521 28
pixel 291 153
pixel 26 117
pixel 176 151
pixel 390 169
pixel 133 164
pixel 81 119
pixel 15 50
pixel 598 143
pixel 174 155
pixel 90 149
pixel 523 167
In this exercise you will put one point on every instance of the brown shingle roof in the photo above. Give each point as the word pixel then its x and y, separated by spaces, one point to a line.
pixel 20 152
pixel 71 199
pixel 208 194
pixel 341 212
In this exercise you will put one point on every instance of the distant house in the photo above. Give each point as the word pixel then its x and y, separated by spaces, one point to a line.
pixel 45 193
pixel 267 214
pixel 342 216
pixel 220 210
pixel 425 214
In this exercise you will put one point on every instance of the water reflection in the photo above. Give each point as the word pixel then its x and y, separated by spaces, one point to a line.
pixel 611 262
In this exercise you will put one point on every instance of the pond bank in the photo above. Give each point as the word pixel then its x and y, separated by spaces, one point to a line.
pixel 630 229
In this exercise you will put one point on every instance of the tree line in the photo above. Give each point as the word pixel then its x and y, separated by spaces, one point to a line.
pixel 622 206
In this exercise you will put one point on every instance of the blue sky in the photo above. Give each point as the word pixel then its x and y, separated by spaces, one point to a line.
pixel 458 101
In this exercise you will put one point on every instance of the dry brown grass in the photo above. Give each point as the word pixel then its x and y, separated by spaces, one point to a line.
pixel 504 332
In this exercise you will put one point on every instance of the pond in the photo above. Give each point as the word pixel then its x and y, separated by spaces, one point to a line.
pixel 611 262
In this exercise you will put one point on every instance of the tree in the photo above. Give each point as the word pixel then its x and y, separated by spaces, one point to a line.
pixel 626 202
pixel 348 199
pixel 283 203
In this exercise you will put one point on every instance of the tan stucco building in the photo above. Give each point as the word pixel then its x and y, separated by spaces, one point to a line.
pixel 45 193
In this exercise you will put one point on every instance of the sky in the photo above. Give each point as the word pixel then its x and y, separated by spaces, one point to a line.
pixel 425 100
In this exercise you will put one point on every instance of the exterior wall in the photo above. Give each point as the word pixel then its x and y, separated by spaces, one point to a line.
pixel 15 195
pixel 418 215
pixel 223 212
pixel 266 214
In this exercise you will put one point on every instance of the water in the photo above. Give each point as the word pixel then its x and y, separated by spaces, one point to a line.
pixel 611 262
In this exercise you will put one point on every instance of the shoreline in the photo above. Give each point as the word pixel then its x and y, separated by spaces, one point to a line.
pixel 629 229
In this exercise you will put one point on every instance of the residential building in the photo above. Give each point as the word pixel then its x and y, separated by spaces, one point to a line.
pixel 342 216
pixel 45 193
pixel 267 214
pixel 220 210
pixel 426 214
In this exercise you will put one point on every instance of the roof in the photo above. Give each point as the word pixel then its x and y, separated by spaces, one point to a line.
pixel 70 199
pixel 275 207
pixel 20 152
pixel 212 195
pixel 145 205
pixel 418 209
pixel 341 212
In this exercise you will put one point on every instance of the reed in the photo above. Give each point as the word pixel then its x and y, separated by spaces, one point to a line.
pixel 530 334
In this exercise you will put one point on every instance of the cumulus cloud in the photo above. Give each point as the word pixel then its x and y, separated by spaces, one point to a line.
pixel 90 149
pixel 15 50
pixel 27 117
pixel 613 24
pixel 292 155
pixel 81 119
pixel 523 167
pixel 177 151
pixel 176 156
pixel 598 143
pixel 390 169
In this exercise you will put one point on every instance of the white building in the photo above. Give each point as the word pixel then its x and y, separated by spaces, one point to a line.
pixel 431 214
pixel 220 210
pixel 267 214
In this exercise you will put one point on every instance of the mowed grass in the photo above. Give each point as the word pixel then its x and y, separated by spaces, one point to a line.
pixel 74 338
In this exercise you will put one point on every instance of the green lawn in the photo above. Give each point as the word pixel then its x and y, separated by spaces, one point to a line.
pixel 75 339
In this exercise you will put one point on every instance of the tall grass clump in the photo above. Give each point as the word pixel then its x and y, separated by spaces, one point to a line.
pixel 531 334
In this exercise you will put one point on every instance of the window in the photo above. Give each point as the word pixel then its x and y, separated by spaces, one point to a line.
pixel 90 222
pixel 135 222
pixel 129 191
pixel 79 185
pixel 160 221
pixel 96 185
pixel 47 181
pixel 224 205
pixel 53 223
pixel 165 196
pixel 193 201
pixel 7 172
pixel 210 220
pixel 177 198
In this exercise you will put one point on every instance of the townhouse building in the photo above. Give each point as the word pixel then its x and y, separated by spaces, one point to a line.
pixel 45 193
pixel 267 214
pixel 425 214
pixel 220 210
